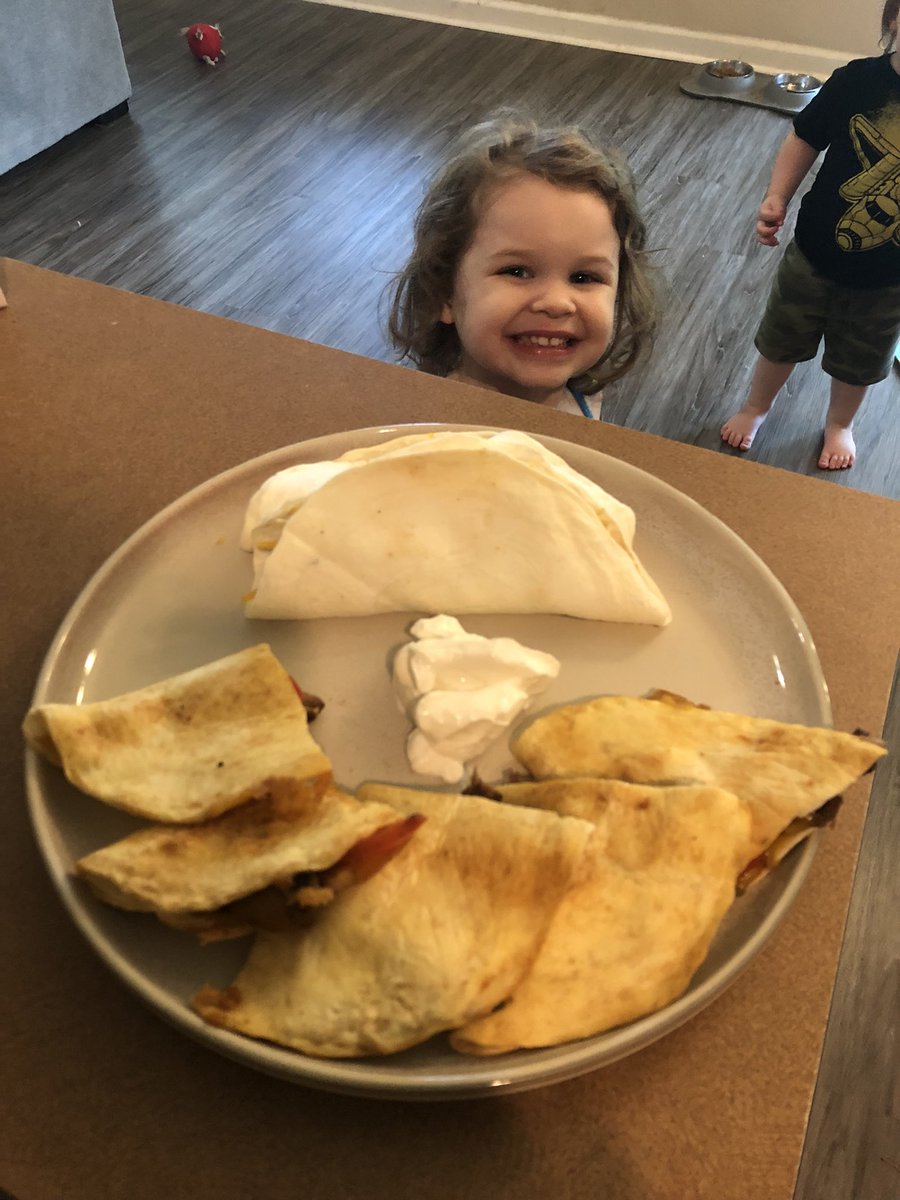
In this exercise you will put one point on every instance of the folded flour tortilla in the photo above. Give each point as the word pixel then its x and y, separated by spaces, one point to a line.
pixel 191 746
pixel 172 869
pixel 657 877
pixel 469 522
pixel 439 936
pixel 781 771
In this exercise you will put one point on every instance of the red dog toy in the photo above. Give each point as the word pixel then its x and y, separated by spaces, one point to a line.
pixel 205 42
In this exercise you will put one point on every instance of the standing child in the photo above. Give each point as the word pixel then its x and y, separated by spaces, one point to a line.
pixel 840 276
pixel 527 274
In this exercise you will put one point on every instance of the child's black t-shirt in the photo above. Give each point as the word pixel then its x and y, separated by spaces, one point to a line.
pixel 849 221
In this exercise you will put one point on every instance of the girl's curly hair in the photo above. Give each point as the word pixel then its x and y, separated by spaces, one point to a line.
pixel 491 152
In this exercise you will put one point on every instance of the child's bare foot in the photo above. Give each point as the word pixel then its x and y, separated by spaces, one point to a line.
pixel 839 450
pixel 740 430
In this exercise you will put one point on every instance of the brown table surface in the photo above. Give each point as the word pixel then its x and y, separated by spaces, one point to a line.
pixel 113 405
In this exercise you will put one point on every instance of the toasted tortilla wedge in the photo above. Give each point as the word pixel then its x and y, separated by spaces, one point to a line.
pixel 439 936
pixel 792 836
pixel 191 746
pixel 463 522
pixel 196 868
pixel 655 882
pixel 782 771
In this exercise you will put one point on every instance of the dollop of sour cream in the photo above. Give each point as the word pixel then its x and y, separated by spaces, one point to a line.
pixel 461 691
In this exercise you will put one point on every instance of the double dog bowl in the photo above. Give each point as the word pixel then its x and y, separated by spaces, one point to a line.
pixel 733 79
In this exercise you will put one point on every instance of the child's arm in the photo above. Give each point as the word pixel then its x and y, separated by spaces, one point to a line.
pixel 791 165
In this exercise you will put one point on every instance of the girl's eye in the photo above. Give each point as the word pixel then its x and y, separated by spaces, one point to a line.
pixel 586 277
pixel 517 272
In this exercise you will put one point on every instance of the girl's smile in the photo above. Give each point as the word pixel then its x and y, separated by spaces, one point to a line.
pixel 534 296
pixel 544 343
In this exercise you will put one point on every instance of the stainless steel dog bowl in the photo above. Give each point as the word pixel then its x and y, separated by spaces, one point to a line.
pixel 791 92
pixel 728 75
pixel 803 84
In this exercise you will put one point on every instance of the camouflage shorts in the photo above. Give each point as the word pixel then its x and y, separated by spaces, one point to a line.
pixel 861 327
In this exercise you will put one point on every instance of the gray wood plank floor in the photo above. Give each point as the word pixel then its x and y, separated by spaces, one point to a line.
pixel 857 1098
pixel 278 189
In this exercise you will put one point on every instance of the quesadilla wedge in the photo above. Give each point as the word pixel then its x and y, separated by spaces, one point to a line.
pixel 441 935
pixel 469 522
pixel 191 746
pixel 655 881
pixel 782 771
pixel 298 848
pixel 796 832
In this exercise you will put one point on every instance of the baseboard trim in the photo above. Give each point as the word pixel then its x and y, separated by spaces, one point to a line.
pixel 608 33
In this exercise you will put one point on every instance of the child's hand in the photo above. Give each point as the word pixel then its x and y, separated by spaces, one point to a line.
pixel 769 220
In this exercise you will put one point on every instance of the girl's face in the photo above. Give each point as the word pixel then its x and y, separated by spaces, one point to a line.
pixel 535 293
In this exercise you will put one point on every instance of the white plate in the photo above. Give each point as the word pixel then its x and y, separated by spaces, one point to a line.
pixel 169 600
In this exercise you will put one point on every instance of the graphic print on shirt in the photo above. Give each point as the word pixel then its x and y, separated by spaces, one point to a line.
pixel 873 218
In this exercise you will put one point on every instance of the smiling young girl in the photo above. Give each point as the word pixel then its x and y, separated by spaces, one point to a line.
pixel 527 274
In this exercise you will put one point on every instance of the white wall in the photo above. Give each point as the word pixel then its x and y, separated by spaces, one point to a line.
pixel 851 30
pixel 814 36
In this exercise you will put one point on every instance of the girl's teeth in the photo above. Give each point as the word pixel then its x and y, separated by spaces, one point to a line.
pixel 545 341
